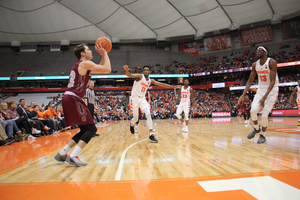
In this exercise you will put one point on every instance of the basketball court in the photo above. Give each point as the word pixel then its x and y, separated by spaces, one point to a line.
pixel 215 160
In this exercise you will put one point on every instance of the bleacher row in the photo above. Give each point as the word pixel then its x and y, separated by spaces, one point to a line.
pixel 54 63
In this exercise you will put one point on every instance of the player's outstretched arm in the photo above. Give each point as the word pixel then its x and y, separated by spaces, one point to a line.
pixel 130 75
pixel 103 67
pixel 249 83
pixel 292 95
pixel 154 82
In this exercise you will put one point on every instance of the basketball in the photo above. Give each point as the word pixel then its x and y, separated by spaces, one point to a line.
pixel 105 43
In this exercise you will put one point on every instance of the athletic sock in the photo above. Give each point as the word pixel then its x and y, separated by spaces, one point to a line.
pixel 263 133
pixel 256 126
pixel 75 152
pixel 64 151
pixel 151 133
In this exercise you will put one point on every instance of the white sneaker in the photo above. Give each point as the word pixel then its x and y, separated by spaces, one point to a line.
pixel 35 131
pixel 186 129
pixel 135 129
pixel 30 137
pixel 153 130
pixel 246 122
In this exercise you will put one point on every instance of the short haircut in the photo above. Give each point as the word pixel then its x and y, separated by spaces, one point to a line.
pixel 78 49
pixel 147 67
pixel 186 79
pixel 21 100
pixel 35 106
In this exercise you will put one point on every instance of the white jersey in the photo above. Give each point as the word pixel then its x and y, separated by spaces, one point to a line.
pixel 185 94
pixel 263 72
pixel 298 92
pixel 140 87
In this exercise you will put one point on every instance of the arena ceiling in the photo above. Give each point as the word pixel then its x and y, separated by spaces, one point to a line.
pixel 86 20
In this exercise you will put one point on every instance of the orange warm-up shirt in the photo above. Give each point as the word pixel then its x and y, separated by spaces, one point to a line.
pixel 48 113
pixel 40 114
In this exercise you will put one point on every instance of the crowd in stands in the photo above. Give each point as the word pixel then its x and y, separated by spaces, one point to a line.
pixel 204 64
pixel 283 56
pixel 163 105
pixel 167 69
pixel 21 122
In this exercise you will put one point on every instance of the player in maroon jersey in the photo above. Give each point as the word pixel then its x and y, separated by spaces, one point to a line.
pixel 148 99
pixel 246 107
pixel 75 110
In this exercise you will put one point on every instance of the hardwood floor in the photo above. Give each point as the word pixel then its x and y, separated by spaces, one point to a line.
pixel 211 147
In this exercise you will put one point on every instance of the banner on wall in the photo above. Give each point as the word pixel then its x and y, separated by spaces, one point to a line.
pixel 291 29
pixel 190 48
pixel 218 43
pixel 257 35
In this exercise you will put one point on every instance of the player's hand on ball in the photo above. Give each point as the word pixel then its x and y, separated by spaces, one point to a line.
pixel 99 49
pixel 126 68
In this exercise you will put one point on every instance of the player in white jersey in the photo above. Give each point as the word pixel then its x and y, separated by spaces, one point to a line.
pixel 184 95
pixel 296 89
pixel 137 100
pixel 267 92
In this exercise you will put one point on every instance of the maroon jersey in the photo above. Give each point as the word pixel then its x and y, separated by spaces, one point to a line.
pixel 246 105
pixel 75 110
pixel 77 83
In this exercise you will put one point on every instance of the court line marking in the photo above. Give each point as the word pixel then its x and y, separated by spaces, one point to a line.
pixel 120 168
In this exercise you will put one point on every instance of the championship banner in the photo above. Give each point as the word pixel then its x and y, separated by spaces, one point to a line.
pixel 291 29
pixel 257 35
pixel 218 43
pixel 190 48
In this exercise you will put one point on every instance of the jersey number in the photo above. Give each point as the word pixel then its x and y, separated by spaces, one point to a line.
pixel 184 96
pixel 143 89
pixel 72 77
pixel 263 78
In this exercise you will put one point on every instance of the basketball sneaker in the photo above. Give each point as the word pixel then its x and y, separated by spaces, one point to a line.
pixel 76 161
pixel 246 121
pixel 186 129
pixel 131 129
pixel 35 131
pixel 60 158
pixel 261 139
pixel 46 128
pixel 135 129
pixel 252 134
pixel 153 139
